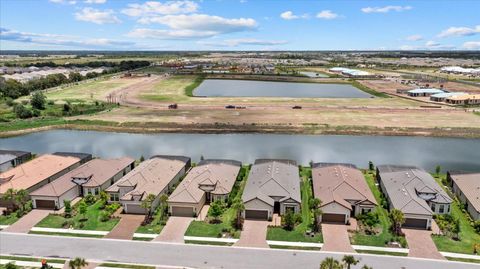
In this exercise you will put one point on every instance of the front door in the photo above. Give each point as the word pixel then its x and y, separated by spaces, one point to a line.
pixel 276 207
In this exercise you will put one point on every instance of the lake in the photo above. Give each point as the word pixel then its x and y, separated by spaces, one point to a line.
pixel 253 88
pixel 426 152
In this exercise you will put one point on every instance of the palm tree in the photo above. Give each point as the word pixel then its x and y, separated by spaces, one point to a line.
pixel 398 219
pixel 10 195
pixel 147 204
pixel 22 198
pixel 163 204
pixel 77 263
pixel 330 263
pixel 349 260
pixel 238 206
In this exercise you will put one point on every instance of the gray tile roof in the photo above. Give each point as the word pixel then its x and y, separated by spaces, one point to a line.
pixel 403 185
pixel 273 178
pixel 469 184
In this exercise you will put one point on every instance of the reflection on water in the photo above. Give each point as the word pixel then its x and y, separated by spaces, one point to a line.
pixel 426 152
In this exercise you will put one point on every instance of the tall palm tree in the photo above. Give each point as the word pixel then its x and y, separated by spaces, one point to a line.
pixel 238 206
pixel 330 263
pixel 398 219
pixel 10 195
pixel 349 260
pixel 22 198
pixel 77 263
pixel 147 204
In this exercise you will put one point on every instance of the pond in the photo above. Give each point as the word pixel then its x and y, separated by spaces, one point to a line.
pixel 251 88
pixel 425 152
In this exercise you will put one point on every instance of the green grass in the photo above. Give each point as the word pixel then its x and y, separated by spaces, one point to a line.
pixel 9 219
pixel 132 266
pixel 31 259
pixel 142 239
pixel 468 236
pixel 368 90
pixel 154 227
pixel 476 113
pixel 385 236
pixel 189 89
pixel 463 260
pixel 298 233
pixel 207 243
pixel 67 234
pixel 92 220
pixel 293 247
pixel 378 252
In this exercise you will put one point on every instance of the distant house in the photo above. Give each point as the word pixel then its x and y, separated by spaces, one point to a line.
pixel 467 188
pixel 441 97
pixel 423 92
pixel 12 158
pixel 273 186
pixel 343 191
pixel 209 181
pixel 466 99
pixel 36 173
pixel 414 192
pixel 157 175
pixel 89 178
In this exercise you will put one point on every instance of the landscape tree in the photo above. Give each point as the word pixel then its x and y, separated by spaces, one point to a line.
pixel 238 206
pixel 315 208
pixel 22 199
pixel 11 265
pixel 82 208
pixel 216 209
pixel 75 77
pixel 10 195
pixel 68 208
pixel 163 205
pixel 398 219
pixel 370 220
pixel 288 220
pixel 330 263
pixel 349 260
pixel 22 112
pixel 142 158
pixel 371 167
pixel 103 196
pixel 147 204
pixel 38 100
pixel 438 169
pixel 77 263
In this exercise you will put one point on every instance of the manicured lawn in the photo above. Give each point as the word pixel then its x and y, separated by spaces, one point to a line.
pixel 463 260
pixel 8 220
pixel 298 233
pixel 385 236
pixel 31 259
pixel 92 220
pixel 154 227
pixel 377 252
pixel 293 247
pixel 468 236
pixel 67 234
pixel 207 243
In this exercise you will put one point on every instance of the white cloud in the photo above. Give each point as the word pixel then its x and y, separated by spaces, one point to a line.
pixel 157 8
pixel 460 31
pixel 414 38
pixel 437 46
pixel 385 9
pixel 243 41
pixel 471 45
pixel 327 15
pixel 169 34
pixel 288 15
pixel 95 1
pixel 70 2
pixel 97 16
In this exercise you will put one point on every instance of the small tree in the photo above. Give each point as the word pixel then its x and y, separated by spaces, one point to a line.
pixel 288 220
pixel 38 100
pixel 398 219
pixel 315 208
pixel 163 205
pixel 330 263
pixel 103 196
pixel 77 263
pixel 147 204
pixel 10 195
pixel 142 158
pixel 438 169
pixel 22 199
pixel 68 208
pixel 349 260
pixel 82 208
pixel 238 206
pixel 216 209
pixel 371 167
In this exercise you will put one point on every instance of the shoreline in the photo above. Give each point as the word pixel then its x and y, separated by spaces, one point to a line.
pixel 157 128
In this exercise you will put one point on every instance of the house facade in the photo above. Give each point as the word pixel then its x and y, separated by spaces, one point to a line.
pixel 273 187
pixel 466 187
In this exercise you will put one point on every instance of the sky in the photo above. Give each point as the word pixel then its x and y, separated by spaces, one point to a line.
pixel 239 25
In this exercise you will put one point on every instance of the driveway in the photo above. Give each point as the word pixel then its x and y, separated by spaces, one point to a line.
pixel 126 227
pixel 26 223
pixel 421 244
pixel 335 238
pixel 174 230
pixel 254 234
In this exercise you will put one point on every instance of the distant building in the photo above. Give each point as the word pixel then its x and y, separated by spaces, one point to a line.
pixel 12 158
pixel 423 92
pixel 441 97
pixel 467 99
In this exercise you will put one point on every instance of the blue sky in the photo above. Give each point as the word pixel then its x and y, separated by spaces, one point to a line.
pixel 239 25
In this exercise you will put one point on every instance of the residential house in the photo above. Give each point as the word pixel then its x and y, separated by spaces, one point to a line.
pixel 414 192
pixel 89 178
pixel 467 188
pixel 157 175
pixel 343 191
pixel 273 186
pixel 12 158
pixel 209 181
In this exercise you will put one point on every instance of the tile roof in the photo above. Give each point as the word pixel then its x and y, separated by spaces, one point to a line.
pixel 269 178
pixel 469 184
pixel 339 183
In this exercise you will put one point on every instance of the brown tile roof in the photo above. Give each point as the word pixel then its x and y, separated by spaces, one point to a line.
pixel 35 171
pixel 97 170
pixel 221 175
pixel 149 177
pixel 469 184
pixel 339 183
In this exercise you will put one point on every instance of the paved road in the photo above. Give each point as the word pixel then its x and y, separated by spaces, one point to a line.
pixel 196 255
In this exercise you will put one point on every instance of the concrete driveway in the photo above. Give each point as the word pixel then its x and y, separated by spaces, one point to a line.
pixel 421 244
pixel 254 234
pixel 335 238
pixel 126 227
pixel 174 230
pixel 26 223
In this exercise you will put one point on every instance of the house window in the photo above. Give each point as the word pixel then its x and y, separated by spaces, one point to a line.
pixel 442 208
pixel 290 208
pixel 433 207
pixel 114 197
pixel 447 209
pixel 96 191
pixel 366 210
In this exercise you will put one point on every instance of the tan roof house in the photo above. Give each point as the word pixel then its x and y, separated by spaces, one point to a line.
pixel 209 181
pixel 273 186
pixel 34 174
pixel 157 175
pixel 91 177
pixel 343 191
pixel 467 188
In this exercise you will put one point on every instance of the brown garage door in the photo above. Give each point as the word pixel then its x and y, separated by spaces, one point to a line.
pixel 181 211
pixel 256 214
pixel 415 223
pixel 336 218
pixel 50 204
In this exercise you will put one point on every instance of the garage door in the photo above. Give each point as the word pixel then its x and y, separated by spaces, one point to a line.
pixel 415 223
pixel 256 214
pixel 181 211
pixel 50 204
pixel 336 218
pixel 133 209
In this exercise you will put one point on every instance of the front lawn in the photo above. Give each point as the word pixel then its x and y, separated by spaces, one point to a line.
pixel 8 219
pixel 92 220
pixel 154 227
pixel 298 233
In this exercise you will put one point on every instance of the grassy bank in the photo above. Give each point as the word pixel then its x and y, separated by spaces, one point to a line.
pixel 189 89
pixel 368 90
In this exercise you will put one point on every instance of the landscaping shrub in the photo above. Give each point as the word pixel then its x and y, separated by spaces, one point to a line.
pixel 449 225
pixel 22 112
pixel 90 199
pixel 369 220
pixel 476 226
pixel 68 208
